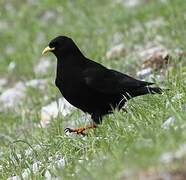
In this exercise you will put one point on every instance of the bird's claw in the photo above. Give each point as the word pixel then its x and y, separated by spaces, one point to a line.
pixel 67 130
pixel 77 131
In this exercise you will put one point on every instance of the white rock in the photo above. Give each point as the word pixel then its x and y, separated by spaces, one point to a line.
pixel 47 175
pixel 37 83
pixel 48 15
pixel 117 38
pixel 11 66
pixel 164 1
pixel 115 51
pixel 26 173
pixel 14 178
pixel 167 157
pixel 36 166
pixel 29 151
pixel 61 106
pixel 144 72
pixel 13 96
pixel 129 3
pixel 155 23
pixel 56 162
pixel 150 51
pixel 177 97
pixel 181 151
pixel 32 2
pixel 3 82
pixel 42 66
pixel 168 103
pixel 60 163
pixel 169 122
pixel 15 157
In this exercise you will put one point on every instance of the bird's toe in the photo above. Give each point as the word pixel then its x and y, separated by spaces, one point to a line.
pixel 67 130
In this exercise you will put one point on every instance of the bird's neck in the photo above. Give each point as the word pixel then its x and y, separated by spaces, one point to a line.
pixel 74 51
pixel 66 63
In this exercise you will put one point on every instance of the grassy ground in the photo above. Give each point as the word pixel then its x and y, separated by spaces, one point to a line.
pixel 126 144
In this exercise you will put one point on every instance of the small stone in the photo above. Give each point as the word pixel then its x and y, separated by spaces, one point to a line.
pixel 48 15
pixel 12 97
pixel 60 163
pixel 144 72
pixel 116 51
pixel 11 66
pixel 29 151
pixel 36 166
pixel 181 151
pixel 177 97
pixel 129 3
pixel 43 66
pixel 37 83
pixel 169 122
pixel 52 110
pixel 3 82
pixel 47 175
pixel 167 157
pixel 151 50
pixel 26 173
pixel 14 178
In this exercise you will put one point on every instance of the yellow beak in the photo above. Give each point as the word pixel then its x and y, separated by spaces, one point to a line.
pixel 48 49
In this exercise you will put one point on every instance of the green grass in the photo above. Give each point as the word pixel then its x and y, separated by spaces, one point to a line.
pixel 125 142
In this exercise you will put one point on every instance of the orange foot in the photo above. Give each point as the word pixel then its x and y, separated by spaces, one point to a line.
pixel 80 130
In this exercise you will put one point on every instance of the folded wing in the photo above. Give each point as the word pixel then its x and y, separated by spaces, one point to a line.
pixel 109 81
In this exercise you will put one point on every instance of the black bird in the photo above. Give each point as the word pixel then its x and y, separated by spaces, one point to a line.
pixel 90 86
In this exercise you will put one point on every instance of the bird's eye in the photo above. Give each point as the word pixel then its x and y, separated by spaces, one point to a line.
pixel 53 44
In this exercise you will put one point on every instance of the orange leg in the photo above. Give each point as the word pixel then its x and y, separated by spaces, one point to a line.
pixel 80 130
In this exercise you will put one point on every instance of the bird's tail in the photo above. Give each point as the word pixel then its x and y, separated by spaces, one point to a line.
pixel 155 90
pixel 148 90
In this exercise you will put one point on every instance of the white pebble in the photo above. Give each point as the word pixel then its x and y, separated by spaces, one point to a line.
pixel 36 166
pixel 12 97
pixel 48 176
pixel 151 50
pixel 53 109
pixel 60 163
pixel 144 72
pixel 177 97
pixel 42 66
pixel 26 173
pixel 167 157
pixel 14 178
pixel 169 122
pixel 37 83
pixel 11 66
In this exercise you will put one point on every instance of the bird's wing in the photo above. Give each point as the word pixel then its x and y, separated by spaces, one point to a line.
pixel 110 81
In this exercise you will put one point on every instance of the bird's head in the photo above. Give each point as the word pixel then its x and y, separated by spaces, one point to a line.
pixel 61 46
